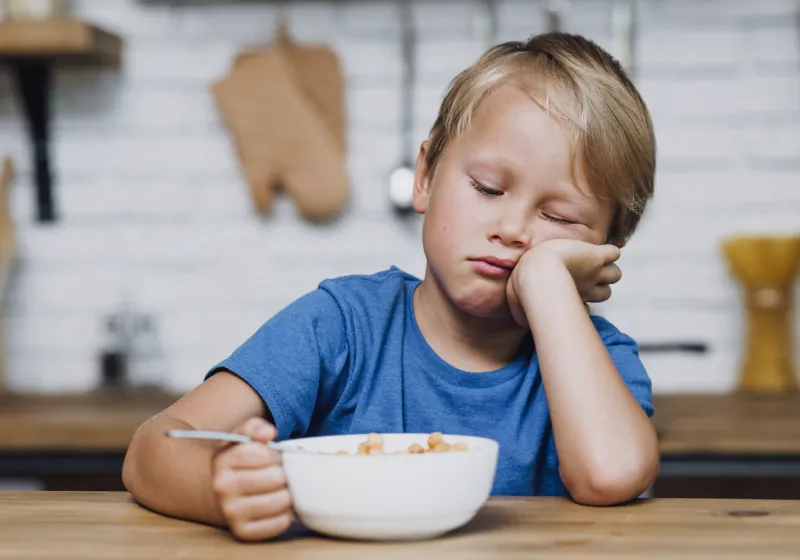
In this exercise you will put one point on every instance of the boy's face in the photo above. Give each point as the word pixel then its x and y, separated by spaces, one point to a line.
pixel 499 189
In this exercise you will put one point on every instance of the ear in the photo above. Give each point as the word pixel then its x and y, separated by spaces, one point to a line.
pixel 422 184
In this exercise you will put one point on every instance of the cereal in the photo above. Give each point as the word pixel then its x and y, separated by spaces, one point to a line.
pixel 435 439
pixel 436 444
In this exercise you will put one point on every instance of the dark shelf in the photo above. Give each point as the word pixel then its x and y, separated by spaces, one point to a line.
pixel 31 49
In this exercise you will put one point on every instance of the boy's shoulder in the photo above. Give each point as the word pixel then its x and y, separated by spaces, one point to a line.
pixel 369 294
pixel 386 281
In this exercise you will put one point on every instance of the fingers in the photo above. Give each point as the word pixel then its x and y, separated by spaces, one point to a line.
pixel 256 503
pixel 610 253
pixel 262 529
pixel 609 274
pixel 601 291
pixel 250 485
pixel 248 482
pixel 247 456
pixel 253 508
pixel 254 455
pixel 258 429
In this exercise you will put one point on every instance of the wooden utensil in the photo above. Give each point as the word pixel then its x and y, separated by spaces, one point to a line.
pixel 766 267
pixel 7 247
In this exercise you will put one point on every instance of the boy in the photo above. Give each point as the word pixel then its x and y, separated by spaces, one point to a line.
pixel 535 173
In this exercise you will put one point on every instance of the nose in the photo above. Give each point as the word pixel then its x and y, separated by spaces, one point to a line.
pixel 512 231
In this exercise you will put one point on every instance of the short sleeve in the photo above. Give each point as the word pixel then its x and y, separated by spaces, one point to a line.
pixel 624 353
pixel 288 359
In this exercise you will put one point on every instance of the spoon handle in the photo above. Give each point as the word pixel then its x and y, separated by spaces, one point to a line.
pixel 229 436
pixel 208 434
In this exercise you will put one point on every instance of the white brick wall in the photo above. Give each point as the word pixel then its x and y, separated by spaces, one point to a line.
pixel 154 209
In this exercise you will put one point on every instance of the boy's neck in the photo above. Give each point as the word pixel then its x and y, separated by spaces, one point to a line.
pixel 465 342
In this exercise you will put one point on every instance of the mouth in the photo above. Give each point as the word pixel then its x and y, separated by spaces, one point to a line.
pixel 493 266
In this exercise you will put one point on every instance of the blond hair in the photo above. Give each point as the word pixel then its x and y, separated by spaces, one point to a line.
pixel 578 82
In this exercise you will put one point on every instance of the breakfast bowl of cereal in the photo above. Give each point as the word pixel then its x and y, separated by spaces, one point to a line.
pixel 389 486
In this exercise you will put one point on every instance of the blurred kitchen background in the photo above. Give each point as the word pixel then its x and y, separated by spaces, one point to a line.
pixel 153 261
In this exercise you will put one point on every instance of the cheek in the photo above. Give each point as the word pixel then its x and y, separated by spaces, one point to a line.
pixel 545 231
pixel 440 231
pixel 454 212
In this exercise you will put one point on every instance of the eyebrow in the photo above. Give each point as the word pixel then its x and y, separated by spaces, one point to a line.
pixel 491 164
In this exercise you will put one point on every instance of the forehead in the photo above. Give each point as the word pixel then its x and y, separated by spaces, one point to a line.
pixel 512 141
pixel 514 131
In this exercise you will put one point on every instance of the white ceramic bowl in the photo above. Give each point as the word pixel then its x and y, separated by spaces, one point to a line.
pixel 388 497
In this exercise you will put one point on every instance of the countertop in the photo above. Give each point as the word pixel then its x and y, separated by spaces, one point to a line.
pixel 687 424
pixel 728 424
pixel 85 525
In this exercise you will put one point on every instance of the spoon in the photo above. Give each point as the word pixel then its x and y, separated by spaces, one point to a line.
pixel 554 14
pixel 227 436
pixel 401 180
pixel 623 22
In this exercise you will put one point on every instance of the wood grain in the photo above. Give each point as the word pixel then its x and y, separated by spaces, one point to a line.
pixel 70 38
pixel 40 525
pixel 7 248
pixel 97 422
pixel 7 230
pixel 729 424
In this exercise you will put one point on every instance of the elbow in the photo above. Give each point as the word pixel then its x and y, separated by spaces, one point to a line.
pixel 130 466
pixel 129 469
pixel 614 482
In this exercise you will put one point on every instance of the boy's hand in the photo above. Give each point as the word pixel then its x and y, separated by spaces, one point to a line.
pixel 250 484
pixel 592 268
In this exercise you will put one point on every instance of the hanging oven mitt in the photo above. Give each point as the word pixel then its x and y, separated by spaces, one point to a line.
pixel 316 69
pixel 280 134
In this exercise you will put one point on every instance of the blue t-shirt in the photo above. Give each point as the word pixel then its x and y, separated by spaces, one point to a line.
pixel 350 358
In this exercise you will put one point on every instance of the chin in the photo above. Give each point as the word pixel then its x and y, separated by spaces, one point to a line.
pixel 486 302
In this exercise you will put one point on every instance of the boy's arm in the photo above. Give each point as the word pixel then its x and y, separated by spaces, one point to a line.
pixel 606 444
pixel 174 476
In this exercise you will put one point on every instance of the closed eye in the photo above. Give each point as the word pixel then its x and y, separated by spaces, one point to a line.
pixel 484 189
pixel 557 219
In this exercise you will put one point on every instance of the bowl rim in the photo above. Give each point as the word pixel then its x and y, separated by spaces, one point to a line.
pixel 488 445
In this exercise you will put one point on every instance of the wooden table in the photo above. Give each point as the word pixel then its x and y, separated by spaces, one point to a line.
pixel 729 445
pixel 39 525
